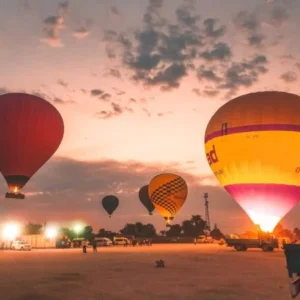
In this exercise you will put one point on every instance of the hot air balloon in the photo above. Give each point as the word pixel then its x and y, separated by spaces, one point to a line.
pixel 252 145
pixel 110 203
pixel 145 199
pixel 168 193
pixel 31 130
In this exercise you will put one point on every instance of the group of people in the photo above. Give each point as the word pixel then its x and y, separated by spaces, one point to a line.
pixel 85 244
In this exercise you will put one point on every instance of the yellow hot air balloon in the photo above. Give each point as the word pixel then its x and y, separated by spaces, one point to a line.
pixel 252 145
pixel 168 193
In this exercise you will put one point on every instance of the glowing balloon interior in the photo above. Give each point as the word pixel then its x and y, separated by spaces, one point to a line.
pixel 168 193
pixel 252 145
pixel 31 130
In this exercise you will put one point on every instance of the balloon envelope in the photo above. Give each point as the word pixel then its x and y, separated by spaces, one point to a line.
pixel 145 199
pixel 168 193
pixel 110 203
pixel 31 130
pixel 252 145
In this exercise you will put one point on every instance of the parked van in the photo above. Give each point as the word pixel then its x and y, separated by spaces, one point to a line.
pixel 121 240
pixel 103 241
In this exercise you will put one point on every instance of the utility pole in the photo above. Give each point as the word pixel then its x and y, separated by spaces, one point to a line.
pixel 206 211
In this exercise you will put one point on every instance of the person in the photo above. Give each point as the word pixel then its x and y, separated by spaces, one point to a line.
pixel 94 244
pixel 195 241
pixel 84 244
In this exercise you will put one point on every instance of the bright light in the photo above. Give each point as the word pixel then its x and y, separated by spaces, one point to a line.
pixel 11 231
pixel 267 223
pixel 15 190
pixel 51 232
pixel 77 228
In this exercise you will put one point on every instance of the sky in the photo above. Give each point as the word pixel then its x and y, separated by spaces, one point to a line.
pixel 136 83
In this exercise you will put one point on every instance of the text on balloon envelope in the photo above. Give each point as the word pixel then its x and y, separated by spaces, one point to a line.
pixel 212 156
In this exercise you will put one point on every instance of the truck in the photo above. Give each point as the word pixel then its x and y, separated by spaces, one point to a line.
pixel 244 244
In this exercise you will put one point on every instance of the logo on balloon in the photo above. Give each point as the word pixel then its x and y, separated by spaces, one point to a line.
pixel 212 156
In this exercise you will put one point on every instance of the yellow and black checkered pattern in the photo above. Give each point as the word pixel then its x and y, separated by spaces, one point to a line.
pixel 162 196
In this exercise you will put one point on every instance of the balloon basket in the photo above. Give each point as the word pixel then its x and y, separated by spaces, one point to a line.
pixel 292 255
pixel 14 196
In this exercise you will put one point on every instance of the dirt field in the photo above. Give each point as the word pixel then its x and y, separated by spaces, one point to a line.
pixel 192 272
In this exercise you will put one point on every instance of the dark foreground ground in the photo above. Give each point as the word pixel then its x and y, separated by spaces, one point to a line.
pixel 192 272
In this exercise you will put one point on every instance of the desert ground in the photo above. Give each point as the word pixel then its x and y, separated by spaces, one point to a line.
pixel 192 272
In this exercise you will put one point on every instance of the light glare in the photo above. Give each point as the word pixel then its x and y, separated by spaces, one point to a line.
pixel 11 231
pixel 267 223
pixel 51 232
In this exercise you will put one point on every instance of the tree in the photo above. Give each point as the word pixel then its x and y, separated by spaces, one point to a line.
pixel 139 230
pixel 106 233
pixel 194 227
pixel 216 233
pixel 87 233
pixel 70 234
pixel 31 228
pixel 296 232
pixel 174 230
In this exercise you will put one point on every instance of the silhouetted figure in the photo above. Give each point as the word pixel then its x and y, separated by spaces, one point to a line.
pixel 94 244
pixel 160 263
pixel 84 245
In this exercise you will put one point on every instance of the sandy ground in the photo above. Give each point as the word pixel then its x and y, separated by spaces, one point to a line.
pixel 206 272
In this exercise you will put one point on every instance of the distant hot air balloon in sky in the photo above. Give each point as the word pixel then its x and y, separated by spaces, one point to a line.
pixel 168 193
pixel 110 203
pixel 252 145
pixel 31 130
pixel 145 199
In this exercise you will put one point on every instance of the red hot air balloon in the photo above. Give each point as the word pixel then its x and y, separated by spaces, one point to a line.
pixel 31 130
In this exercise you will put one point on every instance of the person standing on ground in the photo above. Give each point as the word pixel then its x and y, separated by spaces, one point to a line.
pixel 195 241
pixel 94 244
pixel 84 244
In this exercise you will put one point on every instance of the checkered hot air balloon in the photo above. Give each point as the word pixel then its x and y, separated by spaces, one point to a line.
pixel 168 193
pixel 252 145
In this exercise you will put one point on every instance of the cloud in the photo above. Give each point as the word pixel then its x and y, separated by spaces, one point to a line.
pixel 53 25
pixel 105 97
pixel 116 110
pixel 289 77
pixel 60 101
pixel 3 90
pixel 159 52
pixel 62 83
pixel 210 92
pixel 119 92
pixel 81 33
pixel 162 114
pixel 63 8
pixel 147 112
pixel 297 65
pixel 96 92
pixel 244 74
pixel 210 29
pixel 197 91
pixel 115 73
pixel 207 74
pixel 41 94
pixel 220 51
pixel 114 10
pixel 248 24
pixel 278 16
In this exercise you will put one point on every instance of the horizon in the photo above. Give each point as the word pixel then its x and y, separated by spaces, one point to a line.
pixel 136 94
